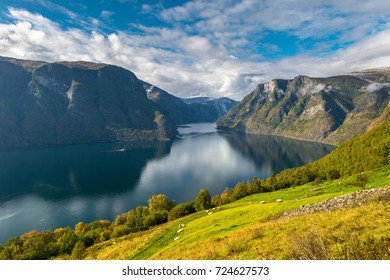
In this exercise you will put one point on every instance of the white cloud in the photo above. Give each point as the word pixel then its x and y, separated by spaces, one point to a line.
pixel 377 86
pixel 106 14
pixel 205 63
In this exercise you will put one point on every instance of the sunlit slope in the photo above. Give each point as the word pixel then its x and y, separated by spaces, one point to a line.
pixel 249 229
pixel 331 110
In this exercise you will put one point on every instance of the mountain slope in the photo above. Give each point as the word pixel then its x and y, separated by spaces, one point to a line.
pixel 330 109
pixel 259 224
pixel 74 102
pixel 213 108
pixel 184 111
pixel 307 215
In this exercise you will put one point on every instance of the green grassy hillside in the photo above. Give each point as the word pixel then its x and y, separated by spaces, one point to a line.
pixel 250 220
pixel 248 229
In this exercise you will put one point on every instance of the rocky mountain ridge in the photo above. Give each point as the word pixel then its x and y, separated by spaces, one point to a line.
pixel 329 110
pixel 188 110
pixel 75 102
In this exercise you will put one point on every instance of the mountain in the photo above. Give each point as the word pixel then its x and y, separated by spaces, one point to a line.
pixel 184 111
pixel 74 102
pixel 214 108
pixel 330 110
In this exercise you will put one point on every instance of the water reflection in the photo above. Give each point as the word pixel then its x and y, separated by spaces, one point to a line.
pixel 85 170
pixel 56 187
pixel 273 153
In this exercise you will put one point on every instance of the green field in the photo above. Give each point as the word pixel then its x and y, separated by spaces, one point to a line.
pixel 247 229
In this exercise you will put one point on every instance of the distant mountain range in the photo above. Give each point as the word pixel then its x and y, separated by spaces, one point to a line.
pixel 82 102
pixel 189 110
pixel 329 110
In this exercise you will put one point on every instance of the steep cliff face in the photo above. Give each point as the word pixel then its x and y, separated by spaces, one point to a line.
pixel 193 110
pixel 74 102
pixel 330 109
pixel 209 109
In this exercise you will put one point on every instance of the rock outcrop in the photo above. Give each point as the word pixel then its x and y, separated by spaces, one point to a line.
pixel 75 102
pixel 340 202
pixel 329 110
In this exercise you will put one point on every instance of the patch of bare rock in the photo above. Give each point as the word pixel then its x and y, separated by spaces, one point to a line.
pixel 341 202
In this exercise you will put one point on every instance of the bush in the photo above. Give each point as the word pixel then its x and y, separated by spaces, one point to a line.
pixel 361 180
pixel 157 218
pixel 120 230
pixel 181 210
pixel 310 246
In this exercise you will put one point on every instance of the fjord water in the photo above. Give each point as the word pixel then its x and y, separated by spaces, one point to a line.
pixel 55 187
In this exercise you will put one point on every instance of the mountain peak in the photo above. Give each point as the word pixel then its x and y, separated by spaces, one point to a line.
pixel 75 102
pixel 330 109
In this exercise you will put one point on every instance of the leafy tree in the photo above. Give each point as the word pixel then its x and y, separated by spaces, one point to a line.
pixel 203 200
pixel 160 202
pixel 216 200
pixel 156 218
pixel 120 220
pixel 39 245
pixel 240 190
pixel 66 240
pixel 78 252
pixel 226 195
pixel 94 232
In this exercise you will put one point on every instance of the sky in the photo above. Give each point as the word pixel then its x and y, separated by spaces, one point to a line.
pixel 203 47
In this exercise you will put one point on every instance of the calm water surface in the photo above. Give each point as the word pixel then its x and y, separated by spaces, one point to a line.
pixel 55 187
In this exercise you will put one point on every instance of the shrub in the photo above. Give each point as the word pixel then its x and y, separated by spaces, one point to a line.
pixel 361 180
pixel 157 218
pixel 181 210
pixel 120 230
pixel 310 246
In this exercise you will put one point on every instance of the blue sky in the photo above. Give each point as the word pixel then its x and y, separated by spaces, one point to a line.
pixel 202 47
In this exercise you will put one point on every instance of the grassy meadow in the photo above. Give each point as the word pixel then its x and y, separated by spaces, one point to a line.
pixel 249 229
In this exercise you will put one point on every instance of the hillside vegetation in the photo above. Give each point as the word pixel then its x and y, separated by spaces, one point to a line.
pixel 247 221
pixel 330 110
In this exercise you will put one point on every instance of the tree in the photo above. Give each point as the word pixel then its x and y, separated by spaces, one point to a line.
pixel 181 210
pixel 156 218
pixel 240 190
pixel 203 200
pixel 226 195
pixel 66 240
pixel 78 252
pixel 216 200
pixel 160 202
